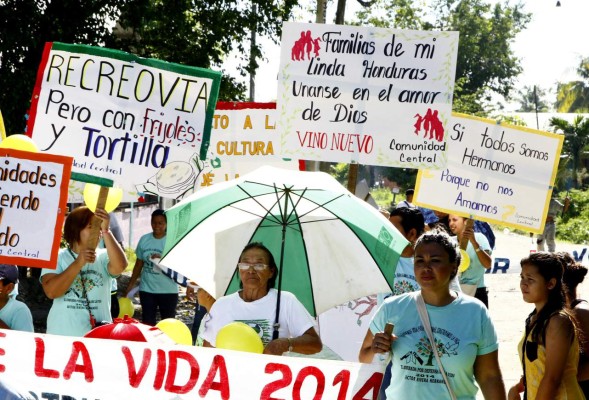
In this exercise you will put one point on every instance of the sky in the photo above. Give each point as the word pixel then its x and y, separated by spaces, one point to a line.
pixel 550 47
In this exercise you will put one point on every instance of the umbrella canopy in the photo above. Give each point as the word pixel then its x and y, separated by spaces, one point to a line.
pixel 330 246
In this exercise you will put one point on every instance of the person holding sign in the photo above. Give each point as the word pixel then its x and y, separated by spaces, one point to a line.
pixel 14 314
pixel 472 280
pixel 548 237
pixel 465 348
pixel 549 349
pixel 156 290
pixel 255 305
pixel 80 286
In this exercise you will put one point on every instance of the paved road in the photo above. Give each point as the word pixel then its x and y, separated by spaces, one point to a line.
pixel 507 308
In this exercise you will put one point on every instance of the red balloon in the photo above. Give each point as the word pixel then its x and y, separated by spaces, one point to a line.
pixel 129 329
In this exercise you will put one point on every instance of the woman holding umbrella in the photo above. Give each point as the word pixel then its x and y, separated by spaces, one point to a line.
pixel 255 304
pixel 463 350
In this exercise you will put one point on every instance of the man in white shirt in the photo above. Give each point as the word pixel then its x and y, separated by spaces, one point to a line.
pixel 408 202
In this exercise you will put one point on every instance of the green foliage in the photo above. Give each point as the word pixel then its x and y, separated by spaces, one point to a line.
pixel 382 196
pixel 573 226
pixel 196 33
pixel 200 33
pixel 485 61
pixel 573 97
pixel 532 99
pixel 25 27
pixel 576 142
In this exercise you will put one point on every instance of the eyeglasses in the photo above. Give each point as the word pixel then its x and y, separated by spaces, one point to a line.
pixel 256 267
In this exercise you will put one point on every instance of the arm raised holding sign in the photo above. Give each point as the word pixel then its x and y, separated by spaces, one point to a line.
pixel 80 286
pixel 472 279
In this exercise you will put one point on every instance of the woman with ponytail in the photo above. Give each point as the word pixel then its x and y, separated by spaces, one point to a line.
pixel 549 349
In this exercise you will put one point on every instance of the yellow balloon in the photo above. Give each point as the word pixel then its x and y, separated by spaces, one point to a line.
pixel 464 261
pixel 241 337
pixel 176 330
pixel 126 307
pixel 91 192
pixel 19 142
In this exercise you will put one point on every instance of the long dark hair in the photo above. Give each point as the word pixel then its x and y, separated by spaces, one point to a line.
pixel 549 266
pixel 271 262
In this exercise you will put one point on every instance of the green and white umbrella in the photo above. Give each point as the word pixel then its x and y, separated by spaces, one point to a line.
pixel 330 246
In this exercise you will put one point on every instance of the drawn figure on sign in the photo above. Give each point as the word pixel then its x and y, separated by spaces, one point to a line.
pixel 298 49
pixel 418 123
pixel 431 124
pixel 176 180
pixel 309 44
pixel 370 302
pixel 436 127
pixel 305 44
pixel 316 46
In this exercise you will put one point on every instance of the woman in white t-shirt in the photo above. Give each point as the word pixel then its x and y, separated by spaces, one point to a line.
pixel 255 305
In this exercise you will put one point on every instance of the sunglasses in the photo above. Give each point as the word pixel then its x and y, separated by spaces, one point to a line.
pixel 256 267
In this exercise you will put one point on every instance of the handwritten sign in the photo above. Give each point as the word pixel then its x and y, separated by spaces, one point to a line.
pixel 244 138
pixel 496 173
pixel 110 369
pixel 33 203
pixel 365 95
pixel 123 117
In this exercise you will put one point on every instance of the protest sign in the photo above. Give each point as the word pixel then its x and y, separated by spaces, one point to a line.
pixel 365 95
pixel 497 173
pixel 243 138
pixel 33 204
pixel 123 117
pixel 82 368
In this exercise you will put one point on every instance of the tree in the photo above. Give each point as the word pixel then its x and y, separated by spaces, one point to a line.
pixel 200 33
pixel 573 97
pixel 576 139
pixel 486 63
pixel 25 27
pixel 532 99
pixel 196 33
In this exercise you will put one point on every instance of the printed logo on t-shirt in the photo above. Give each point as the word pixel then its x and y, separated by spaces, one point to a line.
pixel 402 286
pixel 262 327
pixel 420 364
pixel 85 281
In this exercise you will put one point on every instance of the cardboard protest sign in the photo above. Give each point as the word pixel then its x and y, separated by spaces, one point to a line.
pixel 497 173
pixel 243 138
pixel 33 204
pixel 124 118
pixel 365 95
pixel 79 368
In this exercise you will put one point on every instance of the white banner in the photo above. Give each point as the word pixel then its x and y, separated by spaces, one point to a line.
pixel 496 173
pixel 33 204
pixel 54 367
pixel 365 95
pixel 124 118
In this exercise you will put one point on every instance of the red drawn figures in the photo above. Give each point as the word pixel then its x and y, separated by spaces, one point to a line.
pixel 431 125
pixel 305 44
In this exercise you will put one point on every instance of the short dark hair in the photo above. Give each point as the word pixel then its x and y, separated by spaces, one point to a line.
pixel 411 218
pixel 441 238
pixel 409 192
pixel 271 262
pixel 75 222
pixel 158 212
